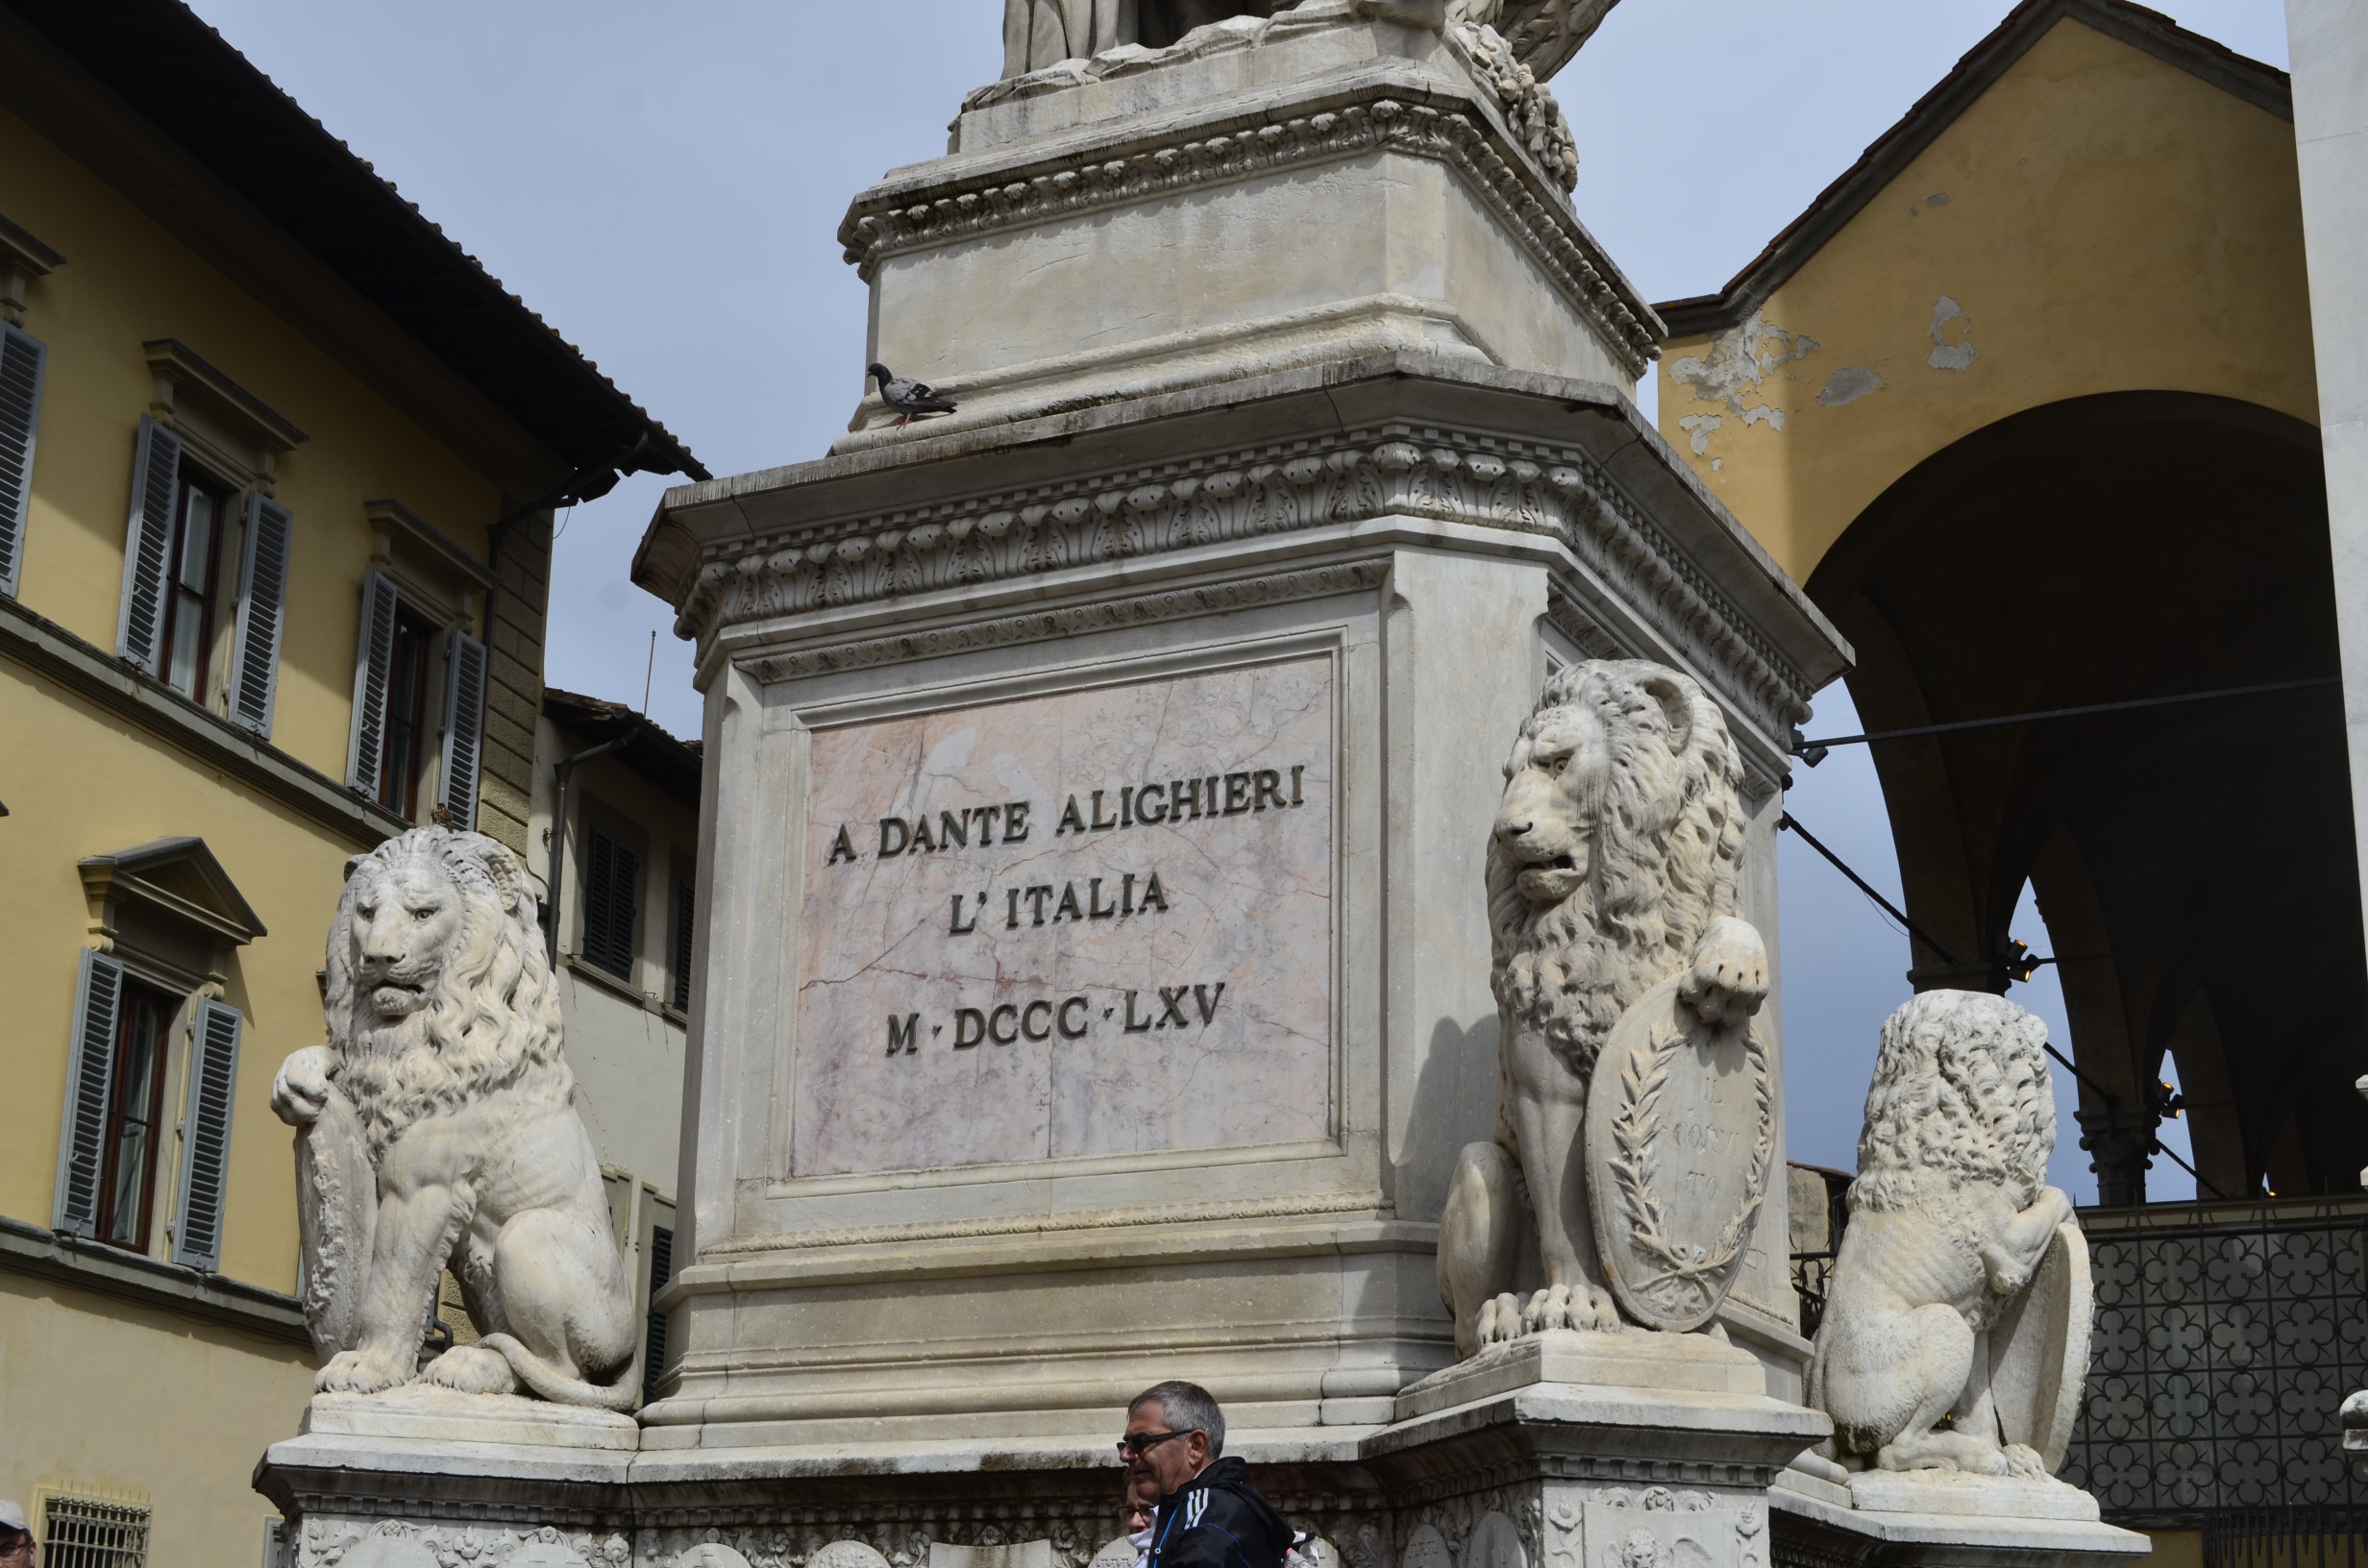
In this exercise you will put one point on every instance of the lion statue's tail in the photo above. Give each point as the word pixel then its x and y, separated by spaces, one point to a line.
pixel 560 1389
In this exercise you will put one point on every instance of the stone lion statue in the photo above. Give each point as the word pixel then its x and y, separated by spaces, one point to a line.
pixel 1612 868
pixel 438 1127
pixel 1950 1217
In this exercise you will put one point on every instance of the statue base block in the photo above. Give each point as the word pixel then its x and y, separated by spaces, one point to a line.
pixel 1635 1358
pixel 1954 1492
pixel 420 1412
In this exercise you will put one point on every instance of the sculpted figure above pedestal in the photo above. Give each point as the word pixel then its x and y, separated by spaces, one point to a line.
pixel 437 1127
pixel 1956 1331
pixel 1634 1101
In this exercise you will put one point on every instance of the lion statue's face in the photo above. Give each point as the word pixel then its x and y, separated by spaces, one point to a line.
pixel 1615 844
pixel 404 914
pixel 438 985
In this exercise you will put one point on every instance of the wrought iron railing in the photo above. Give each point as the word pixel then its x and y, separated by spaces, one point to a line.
pixel 2226 1336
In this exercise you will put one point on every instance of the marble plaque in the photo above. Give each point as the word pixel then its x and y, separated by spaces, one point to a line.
pixel 1096 922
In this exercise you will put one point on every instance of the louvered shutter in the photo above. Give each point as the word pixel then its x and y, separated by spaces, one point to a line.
pixel 206 1136
pixel 155 483
pixel 611 884
pixel 21 358
pixel 89 1075
pixel 685 901
pixel 373 666
pixel 464 728
pixel 262 613
pixel 662 1270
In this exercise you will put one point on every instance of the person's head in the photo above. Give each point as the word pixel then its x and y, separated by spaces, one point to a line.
pixel 1173 1430
pixel 16 1536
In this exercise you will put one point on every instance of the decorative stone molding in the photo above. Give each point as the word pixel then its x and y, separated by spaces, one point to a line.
pixel 226 427
pixel 1303 1205
pixel 892 222
pixel 400 1543
pixel 1044 626
pixel 1359 476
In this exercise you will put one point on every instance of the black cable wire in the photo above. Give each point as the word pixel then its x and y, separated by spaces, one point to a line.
pixel 1812 752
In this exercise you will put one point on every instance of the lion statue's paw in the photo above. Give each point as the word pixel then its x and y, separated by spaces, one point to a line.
pixel 363 1372
pixel 1581 1307
pixel 2023 1461
pixel 1500 1319
pixel 299 1092
pixel 1729 977
pixel 471 1369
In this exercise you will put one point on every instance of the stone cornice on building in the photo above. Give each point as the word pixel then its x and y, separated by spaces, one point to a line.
pixel 1424 438
pixel 1082 178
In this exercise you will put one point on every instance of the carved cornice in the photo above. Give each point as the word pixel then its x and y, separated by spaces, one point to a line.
pixel 890 223
pixel 1295 1207
pixel 1077 619
pixel 1394 470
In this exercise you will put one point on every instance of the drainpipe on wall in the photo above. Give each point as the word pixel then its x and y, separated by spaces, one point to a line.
pixel 559 772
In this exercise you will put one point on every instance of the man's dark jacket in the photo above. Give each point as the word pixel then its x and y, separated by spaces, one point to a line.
pixel 1218 1520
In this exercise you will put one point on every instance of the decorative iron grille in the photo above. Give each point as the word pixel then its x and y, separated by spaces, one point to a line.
pixel 2225 1341
pixel 93 1533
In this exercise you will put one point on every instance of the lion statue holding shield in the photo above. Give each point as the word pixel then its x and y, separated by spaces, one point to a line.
pixel 438 1127
pixel 1611 869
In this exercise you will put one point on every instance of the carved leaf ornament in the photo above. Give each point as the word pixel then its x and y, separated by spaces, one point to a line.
pixel 1671 1249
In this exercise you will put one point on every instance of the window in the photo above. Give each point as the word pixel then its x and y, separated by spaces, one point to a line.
pixel 611 892
pixel 143 1036
pixel 79 1532
pixel 396 698
pixel 685 901
pixel 111 1148
pixel 194 569
pixel 406 716
pixel 176 582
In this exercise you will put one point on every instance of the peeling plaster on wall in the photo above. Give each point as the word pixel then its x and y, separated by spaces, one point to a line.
pixel 1848 385
pixel 1938 198
pixel 1701 426
pixel 1945 355
pixel 1737 364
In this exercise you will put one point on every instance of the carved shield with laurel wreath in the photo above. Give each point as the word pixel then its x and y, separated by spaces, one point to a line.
pixel 1681 1132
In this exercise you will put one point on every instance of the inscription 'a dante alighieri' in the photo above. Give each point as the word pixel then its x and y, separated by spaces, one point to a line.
pixel 1088 923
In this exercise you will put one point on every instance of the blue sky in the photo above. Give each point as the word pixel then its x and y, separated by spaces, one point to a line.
pixel 663 183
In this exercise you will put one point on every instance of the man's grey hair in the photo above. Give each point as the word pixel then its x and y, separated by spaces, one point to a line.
pixel 1186 1407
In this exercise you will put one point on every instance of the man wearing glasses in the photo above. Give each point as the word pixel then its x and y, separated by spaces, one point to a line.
pixel 1209 1515
pixel 16 1536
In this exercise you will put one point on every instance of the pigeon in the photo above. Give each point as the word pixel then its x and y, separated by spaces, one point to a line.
pixel 906 397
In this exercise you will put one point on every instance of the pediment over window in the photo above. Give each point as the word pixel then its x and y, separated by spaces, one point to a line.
pixel 170 901
pixel 228 427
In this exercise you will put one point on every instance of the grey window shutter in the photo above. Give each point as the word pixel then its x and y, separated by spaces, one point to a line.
pixel 205 1141
pixel 612 892
pixel 464 728
pixel 155 482
pixel 373 664
pixel 90 1066
pixel 662 1270
pixel 21 358
pixel 262 613
pixel 686 902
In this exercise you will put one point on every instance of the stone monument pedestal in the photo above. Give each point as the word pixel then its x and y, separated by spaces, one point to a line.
pixel 1669 1455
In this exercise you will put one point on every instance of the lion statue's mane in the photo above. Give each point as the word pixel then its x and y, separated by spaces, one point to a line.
pixel 1671 838
pixel 493 1023
pixel 1960 1097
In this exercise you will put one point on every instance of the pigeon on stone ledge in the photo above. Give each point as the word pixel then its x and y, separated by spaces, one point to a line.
pixel 907 396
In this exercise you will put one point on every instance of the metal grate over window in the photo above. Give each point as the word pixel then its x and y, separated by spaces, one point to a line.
pixel 2225 1343
pixel 79 1532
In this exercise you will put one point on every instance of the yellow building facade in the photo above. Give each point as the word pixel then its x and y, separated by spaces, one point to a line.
pixel 277 469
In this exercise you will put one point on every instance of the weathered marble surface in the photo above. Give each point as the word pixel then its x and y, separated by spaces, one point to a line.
pixel 1957 1320
pixel 1612 880
pixel 1112 989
